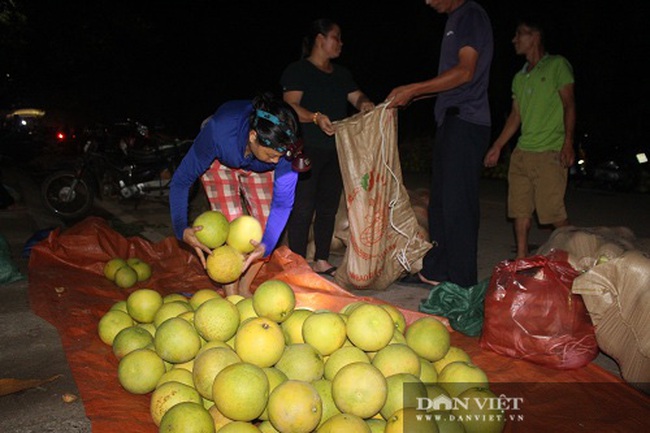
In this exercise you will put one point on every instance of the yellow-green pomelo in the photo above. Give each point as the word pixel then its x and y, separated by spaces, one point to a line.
pixel 176 375
pixel 143 304
pixel 377 425
pixel 187 417
pixel 212 344
pixel 344 422
pixel 139 371
pixel 246 309
pixel 111 323
pixel 295 406
pixel 397 358
pixel 429 337
pixel 243 229
pixel 219 419
pixel 477 416
pixel 266 427
pixel 428 373
pixel 408 420
pixel 225 264
pixel 325 331
pixel 208 364
pixel 239 427
pixel 404 389
pixel 274 299
pixel 301 362
pixel 120 305
pixel 459 376
pixel 398 338
pixel 149 327
pixel 349 308
pixel 235 299
pixel 170 309
pixel 260 341
pixel 130 339
pixel 141 268
pixel 241 391
pixel 214 228
pixel 292 327
pixel 202 295
pixel 172 297
pixel 111 267
pixel 454 354
pixel 342 357
pixel 169 394
pixel 217 319
pixel 397 316
pixel 177 341
pixel 126 277
pixel 324 388
pixel 359 389
pixel 275 377
pixel 448 423
pixel 370 327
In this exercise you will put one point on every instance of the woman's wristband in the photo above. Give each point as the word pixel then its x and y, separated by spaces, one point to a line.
pixel 314 118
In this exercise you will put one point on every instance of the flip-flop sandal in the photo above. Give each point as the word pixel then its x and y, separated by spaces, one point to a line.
pixel 330 271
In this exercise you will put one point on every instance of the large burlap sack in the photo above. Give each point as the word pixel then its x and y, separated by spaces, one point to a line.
pixel 385 240
pixel 617 295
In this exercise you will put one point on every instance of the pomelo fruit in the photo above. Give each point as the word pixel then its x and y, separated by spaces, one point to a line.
pixel 239 427
pixel 208 364
pixel 225 264
pixel 260 341
pixel 344 422
pixel 149 327
pixel 429 337
pixel 448 423
pixel 175 297
pixel 428 373
pixel 177 375
pixel 459 376
pixel 120 305
pixel 377 425
pixel 212 344
pixel 143 304
pixel 235 299
pixel 479 416
pixel 111 267
pixel 111 323
pixel 170 309
pixel 243 229
pixel 397 316
pixel 141 268
pixel 202 295
pixel 214 228
pixel 241 391
pixel 292 326
pixel 126 277
pixel 187 417
pixel 217 319
pixel 219 419
pixel 295 406
pixel 274 299
pixel 406 420
pixel 325 331
pixel 169 394
pixel 275 377
pixel 359 389
pixel 453 354
pixel 324 388
pixel 403 391
pixel 397 358
pixel 130 339
pixel 398 338
pixel 177 341
pixel 245 308
pixel 301 362
pixel 139 371
pixel 266 427
pixel 370 327
pixel 349 308
pixel 342 357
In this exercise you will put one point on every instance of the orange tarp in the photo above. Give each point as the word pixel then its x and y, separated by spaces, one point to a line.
pixel 68 289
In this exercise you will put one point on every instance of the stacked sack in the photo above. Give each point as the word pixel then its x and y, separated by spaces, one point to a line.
pixel 615 286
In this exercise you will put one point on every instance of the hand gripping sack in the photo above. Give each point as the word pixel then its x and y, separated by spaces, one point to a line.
pixel 531 314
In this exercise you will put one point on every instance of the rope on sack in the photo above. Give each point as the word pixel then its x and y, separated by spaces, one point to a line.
pixel 400 254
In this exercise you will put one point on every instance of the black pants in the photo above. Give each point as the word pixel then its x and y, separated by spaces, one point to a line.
pixel 317 199
pixel 454 209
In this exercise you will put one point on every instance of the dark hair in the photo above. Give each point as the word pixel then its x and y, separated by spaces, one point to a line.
pixel 320 26
pixel 534 24
pixel 274 121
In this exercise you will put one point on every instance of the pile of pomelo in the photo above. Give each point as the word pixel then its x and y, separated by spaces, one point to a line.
pixel 126 272
pixel 259 364
pixel 229 241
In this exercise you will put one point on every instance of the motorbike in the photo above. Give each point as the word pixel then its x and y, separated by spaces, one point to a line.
pixel 132 166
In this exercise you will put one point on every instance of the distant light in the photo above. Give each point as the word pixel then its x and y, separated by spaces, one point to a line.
pixel 60 136
pixel 642 158
pixel 23 122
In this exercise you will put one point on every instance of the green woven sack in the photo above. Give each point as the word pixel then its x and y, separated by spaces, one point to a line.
pixel 8 270
pixel 463 307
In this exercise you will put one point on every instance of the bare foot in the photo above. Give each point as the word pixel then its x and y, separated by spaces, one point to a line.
pixel 428 281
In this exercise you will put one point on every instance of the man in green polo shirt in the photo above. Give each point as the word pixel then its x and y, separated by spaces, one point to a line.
pixel 543 105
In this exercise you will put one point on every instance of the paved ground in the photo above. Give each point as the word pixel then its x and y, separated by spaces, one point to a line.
pixel 31 348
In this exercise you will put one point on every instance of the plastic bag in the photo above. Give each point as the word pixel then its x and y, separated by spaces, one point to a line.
pixel 8 270
pixel 531 314
pixel 461 305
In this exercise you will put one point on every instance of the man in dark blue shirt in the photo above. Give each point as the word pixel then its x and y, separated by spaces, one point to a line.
pixel 463 125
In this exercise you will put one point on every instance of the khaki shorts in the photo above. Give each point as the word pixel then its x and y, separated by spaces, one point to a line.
pixel 537 182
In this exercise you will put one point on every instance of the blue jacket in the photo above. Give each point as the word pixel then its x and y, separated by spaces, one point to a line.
pixel 224 137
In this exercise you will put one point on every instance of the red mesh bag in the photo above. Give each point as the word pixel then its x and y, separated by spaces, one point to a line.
pixel 531 314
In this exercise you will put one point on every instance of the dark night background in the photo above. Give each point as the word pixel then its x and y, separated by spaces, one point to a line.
pixel 174 62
